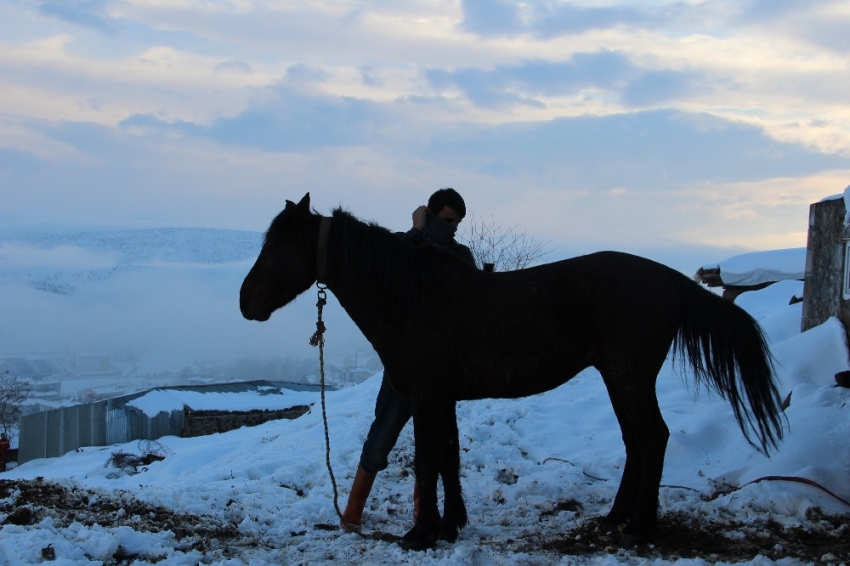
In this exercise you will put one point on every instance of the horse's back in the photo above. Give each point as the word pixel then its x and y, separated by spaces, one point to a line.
pixel 599 282
pixel 538 327
pixel 630 296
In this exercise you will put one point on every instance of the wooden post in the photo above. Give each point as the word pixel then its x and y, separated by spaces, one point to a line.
pixel 824 289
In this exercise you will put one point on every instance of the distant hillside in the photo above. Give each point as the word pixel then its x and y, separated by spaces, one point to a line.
pixel 125 250
pixel 174 245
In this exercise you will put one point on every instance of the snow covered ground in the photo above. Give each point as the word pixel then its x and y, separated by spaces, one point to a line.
pixel 532 470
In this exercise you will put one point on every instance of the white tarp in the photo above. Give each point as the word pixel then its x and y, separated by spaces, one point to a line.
pixel 762 267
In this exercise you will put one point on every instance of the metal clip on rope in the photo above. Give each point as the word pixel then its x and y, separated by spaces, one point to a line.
pixel 318 337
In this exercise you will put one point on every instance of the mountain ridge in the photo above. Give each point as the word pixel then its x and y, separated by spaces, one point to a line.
pixel 121 251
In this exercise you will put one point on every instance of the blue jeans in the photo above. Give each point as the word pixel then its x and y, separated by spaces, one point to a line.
pixel 392 411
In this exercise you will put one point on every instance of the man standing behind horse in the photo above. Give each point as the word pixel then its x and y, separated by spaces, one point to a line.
pixel 435 224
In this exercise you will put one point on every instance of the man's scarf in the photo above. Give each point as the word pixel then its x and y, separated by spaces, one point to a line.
pixel 439 231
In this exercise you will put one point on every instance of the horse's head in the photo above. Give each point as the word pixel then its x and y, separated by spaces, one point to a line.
pixel 286 266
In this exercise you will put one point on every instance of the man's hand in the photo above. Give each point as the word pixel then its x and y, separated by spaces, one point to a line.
pixel 419 217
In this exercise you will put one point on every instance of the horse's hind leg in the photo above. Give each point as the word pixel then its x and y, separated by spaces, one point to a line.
pixel 624 502
pixel 454 510
pixel 645 435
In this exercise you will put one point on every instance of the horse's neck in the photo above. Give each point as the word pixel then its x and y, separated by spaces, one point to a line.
pixel 367 315
pixel 372 305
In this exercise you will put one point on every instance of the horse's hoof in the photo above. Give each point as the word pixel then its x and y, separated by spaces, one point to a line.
pixel 418 539
pixel 633 537
pixel 608 527
pixel 408 542
pixel 448 533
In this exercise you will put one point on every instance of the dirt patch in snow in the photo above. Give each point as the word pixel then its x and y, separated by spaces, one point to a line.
pixel 28 502
pixel 825 539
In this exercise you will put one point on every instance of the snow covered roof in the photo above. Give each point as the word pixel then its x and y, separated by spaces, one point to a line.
pixel 758 267
pixel 262 398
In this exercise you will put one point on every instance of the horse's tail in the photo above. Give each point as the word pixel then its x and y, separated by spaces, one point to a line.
pixel 728 352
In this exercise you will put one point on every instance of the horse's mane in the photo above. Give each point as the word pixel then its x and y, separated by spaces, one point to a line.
pixel 372 257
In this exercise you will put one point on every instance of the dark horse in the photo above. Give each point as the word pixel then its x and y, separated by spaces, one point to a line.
pixel 447 332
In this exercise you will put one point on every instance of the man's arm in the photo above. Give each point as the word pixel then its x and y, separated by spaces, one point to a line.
pixel 415 234
pixel 420 215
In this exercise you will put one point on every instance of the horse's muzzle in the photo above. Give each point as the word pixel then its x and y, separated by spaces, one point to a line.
pixel 250 307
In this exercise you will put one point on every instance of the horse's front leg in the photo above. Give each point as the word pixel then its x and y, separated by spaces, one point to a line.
pixel 429 417
pixel 454 510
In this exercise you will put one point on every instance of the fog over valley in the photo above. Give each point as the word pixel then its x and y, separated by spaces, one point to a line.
pixel 154 303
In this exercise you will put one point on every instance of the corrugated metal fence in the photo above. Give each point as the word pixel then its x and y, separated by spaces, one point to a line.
pixel 57 432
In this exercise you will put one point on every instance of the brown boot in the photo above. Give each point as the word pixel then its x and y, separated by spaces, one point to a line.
pixel 415 500
pixel 352 517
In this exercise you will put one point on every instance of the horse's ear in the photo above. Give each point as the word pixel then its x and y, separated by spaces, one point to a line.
pixel 305 203
pixel 289 204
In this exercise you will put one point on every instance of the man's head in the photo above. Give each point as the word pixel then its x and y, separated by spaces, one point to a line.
pixel 447 197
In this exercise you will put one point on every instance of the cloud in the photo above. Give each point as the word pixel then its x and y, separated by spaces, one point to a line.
pixel 297 123
pixel 547 19
pixel 88 13
pixel 832 35
pixel 152 173
pixel 552 20
pixel 656 87
pixel 234 65
pixel 286 120
pixel 305 73
pixel 173 162
pixel 653 150
pixel 369 77
pixel 823 23
pixel 762 11
pixel 602 71
pixel 620 170
pixel 506 84
pixel 491 17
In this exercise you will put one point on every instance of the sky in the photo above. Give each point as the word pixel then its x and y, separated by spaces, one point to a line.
pixel 522 462
pixel 683 131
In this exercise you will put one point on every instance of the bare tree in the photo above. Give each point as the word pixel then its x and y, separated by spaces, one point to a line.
pixel 507 249
pixel 13 392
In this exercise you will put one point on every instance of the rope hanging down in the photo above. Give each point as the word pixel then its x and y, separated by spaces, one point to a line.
pixel 318 339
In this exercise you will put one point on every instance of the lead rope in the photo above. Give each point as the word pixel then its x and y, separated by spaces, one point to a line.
pixel 318 339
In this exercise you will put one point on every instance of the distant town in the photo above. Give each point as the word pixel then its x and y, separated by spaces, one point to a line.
pixel 60 379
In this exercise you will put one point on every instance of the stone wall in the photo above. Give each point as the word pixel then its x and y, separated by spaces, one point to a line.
pixel 200 423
